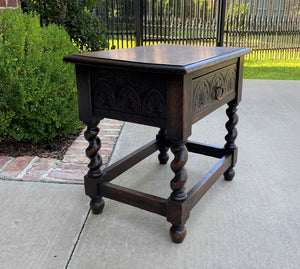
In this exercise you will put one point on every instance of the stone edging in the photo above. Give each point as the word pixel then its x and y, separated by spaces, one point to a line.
pixel 69 170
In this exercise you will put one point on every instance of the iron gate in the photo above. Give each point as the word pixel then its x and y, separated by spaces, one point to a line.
pixel 262 25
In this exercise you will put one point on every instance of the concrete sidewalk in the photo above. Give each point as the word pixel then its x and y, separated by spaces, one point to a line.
pixel 251 222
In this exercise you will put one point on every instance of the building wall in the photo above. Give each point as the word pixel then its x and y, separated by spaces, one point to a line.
pixel 9 4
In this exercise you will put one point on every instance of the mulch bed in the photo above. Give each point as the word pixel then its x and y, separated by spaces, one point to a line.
pixel 55 149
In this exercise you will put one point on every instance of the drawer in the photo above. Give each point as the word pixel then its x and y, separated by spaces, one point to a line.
pixel 213 88
pixel 129 96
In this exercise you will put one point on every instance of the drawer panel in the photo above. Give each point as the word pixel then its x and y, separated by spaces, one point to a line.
pixel 128 93
pixel 213 87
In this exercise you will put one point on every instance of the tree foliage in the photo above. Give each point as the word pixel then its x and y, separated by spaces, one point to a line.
pixel 76 16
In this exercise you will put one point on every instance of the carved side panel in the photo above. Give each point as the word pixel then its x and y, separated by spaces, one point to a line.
pixel 127 92
pixel 213 87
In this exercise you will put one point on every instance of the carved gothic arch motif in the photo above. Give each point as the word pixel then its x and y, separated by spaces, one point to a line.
pixel 230 79
pixel 218 82
pixel 104 95
pixel 128 99
pixel 201 94
pixel 153 103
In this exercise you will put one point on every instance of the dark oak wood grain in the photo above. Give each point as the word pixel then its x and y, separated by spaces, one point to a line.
pixel 230 146
pixel 165 86
pixel 162 57
pixel 203 185
pixel 208 150
pixel 91 178
pixel 135 198
pixel 129 161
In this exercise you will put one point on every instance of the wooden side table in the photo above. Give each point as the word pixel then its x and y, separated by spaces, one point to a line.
pixel 169 87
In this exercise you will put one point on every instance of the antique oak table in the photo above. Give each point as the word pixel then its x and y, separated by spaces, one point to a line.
pixel 169 87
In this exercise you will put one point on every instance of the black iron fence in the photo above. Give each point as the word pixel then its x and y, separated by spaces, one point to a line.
pixel 269 27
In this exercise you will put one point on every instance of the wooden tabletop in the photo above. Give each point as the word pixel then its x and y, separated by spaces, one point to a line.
pixel 163 57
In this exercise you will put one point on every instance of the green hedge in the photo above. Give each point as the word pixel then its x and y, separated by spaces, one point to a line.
pixel 76 16
pixel 38 99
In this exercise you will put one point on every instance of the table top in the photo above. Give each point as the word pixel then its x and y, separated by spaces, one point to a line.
pixel 163 57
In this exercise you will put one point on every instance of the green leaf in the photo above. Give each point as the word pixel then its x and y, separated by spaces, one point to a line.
pixel 36 86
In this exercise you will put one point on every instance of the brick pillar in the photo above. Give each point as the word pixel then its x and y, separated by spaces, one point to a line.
pixel 9 4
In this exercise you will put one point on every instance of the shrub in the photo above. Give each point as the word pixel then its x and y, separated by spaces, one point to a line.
pixel 76 16
pixel 38 99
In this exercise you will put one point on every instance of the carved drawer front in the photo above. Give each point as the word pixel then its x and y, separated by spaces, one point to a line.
pixel 213 87
pixel 129 93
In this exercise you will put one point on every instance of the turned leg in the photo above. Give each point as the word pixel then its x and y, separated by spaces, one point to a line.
pixel 161 138
pixel 91 179
pixel 230 137
pixel 178 232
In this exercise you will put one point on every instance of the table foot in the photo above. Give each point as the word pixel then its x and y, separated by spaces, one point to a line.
pixel 161 137
pixel 229 174
pixel 97 205
pixel 163 158
pixel 177 233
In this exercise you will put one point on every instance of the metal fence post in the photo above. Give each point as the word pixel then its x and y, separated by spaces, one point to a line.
pixel 221 23
pixel 139 22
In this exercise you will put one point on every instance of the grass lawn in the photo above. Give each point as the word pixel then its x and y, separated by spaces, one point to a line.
pixel 281 69
pixel 264 68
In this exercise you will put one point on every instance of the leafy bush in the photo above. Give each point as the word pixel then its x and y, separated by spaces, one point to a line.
pixel 38 99
pixel 76 16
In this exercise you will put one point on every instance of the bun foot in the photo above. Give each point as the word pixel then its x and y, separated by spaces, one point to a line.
pixel 161 138
pixel 163 158
pixel 97 205
pixel 177 233
pixel 229 174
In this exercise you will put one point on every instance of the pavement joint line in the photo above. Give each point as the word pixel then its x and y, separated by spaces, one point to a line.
pixel 35 159
pixel 77 240
pixel 45 180
pixel 64 162
pixel 59 181
pixel 7 164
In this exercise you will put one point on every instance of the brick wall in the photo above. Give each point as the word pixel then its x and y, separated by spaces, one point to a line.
pixel 9 4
